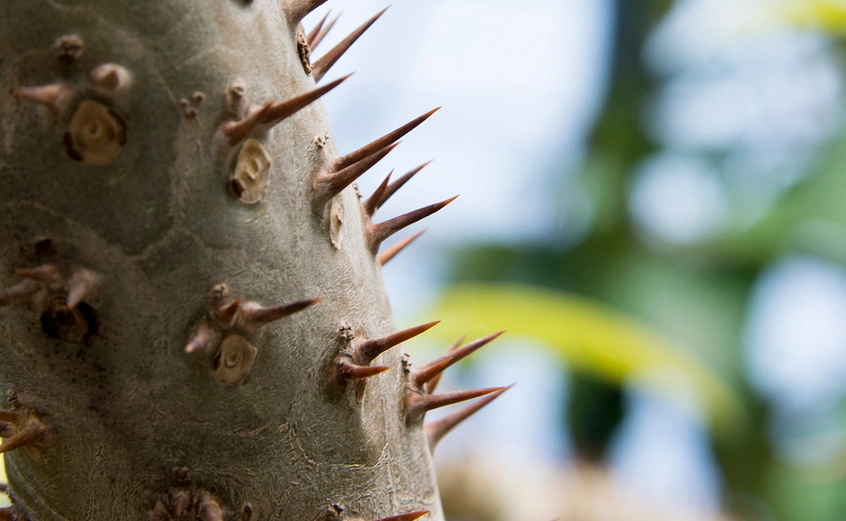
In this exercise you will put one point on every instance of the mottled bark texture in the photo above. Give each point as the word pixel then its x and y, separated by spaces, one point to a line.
pixel 192 287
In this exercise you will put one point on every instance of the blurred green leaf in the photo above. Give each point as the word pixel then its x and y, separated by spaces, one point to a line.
pixel 588 336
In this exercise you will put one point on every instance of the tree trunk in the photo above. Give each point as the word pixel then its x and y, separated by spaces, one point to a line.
pixel 166 232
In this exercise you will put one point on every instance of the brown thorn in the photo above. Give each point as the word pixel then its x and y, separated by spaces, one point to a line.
pixel 312 35
pixel 48 274
pixel 435 431
pixel 392 252
pixel 225 314
pixel 418 404
pixel 46 95
pixel 427 372
pixel 411 516
pixel 31 434
pixel 255 316
pixel 204 339
pixel 433 382
pixel 322 66
pixel 296 10
pixel 238 130
pixel 279 111
pixel 377 233
pixel 372 202
pixel 20 294
pixel 380 143
pixel 396 185
pixel 328 185
pixel 350 370
pixel 370 349
pixel 322 34
pixel 82 285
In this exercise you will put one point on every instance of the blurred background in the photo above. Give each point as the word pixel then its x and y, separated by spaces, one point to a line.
pixel 653 203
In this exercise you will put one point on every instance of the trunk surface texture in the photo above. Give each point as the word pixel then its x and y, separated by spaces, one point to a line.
pixel 193 320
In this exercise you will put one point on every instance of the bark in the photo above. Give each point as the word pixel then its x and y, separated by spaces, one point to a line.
pixel 126 186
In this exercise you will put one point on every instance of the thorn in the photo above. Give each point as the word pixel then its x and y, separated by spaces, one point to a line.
pixel 322 34
pixel 82 285
pixel 109 78
pixel 296 10
pixel 391 252
pixel 314 32
pixel 411 516
pixel 20 294
pixel 435 380
pixel 312 35
pixel 376 233
pixel 435 431
pixel 350 370
pixel 419 404
pixel 255 316
pixel 210 511
pixel 322 66
pixel 204 339
pixel 396 185
pixel 279 111
pixel 225 314
pixel 31 434
pixel 427 372
pixel 47 274
pixel 328 185
pixel 372 203
pixel 236 131
pixel 49 95
pixel 378 144
pixel 370 349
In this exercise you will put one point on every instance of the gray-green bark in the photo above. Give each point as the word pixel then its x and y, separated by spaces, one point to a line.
pixel 156 225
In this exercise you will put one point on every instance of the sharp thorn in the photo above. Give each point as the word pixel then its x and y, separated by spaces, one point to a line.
pixel 296 10
pixel 322 66
pixel 47 274
pixel 330 184
pixel 27 436
pixel 370 349
pixel 435 380
pixel 49 95
pixel 396 185
pixel 350 370
pixel 376 233
pixel 392 252
pixel 419 404
pixel 279 111
pixel 82 285
pixel 109 78
pixel 225 314
pixel 411 516
pixel 255 316
pixel 314 32
pixel 378 144
pixel 426 373
pixel 20 294
pixel 323 32
pixel 236 131
pixel 435 431
pixel 372 202
pixel 204 339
